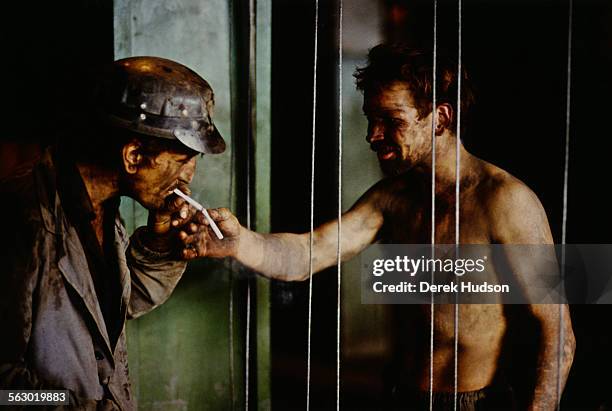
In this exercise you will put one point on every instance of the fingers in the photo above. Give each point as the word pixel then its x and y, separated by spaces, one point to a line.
pixel 197 238
pixel 183 212
pixel 190 253
pixel 183 215
pixel 228 224
pixel 174 213
pixel 174 203
pixel 220 214
pixel 194 244
pixel 184 188
pixel 187 234
pixel 199 218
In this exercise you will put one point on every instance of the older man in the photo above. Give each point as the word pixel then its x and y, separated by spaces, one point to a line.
pixel 70 275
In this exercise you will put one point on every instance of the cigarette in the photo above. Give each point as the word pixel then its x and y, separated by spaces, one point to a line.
pixel 201 208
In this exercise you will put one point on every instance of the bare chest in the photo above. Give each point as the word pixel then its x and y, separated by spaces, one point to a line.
pixel 409 221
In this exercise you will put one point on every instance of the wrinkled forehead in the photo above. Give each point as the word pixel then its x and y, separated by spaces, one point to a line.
pixel 390 96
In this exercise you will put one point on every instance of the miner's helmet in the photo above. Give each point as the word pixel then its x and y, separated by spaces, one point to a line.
pixel 160 98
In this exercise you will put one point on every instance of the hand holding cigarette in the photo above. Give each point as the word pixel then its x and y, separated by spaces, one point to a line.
pixel 201 208
pixel 197 240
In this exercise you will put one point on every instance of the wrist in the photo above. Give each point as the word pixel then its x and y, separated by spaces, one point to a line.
pixel 157 241
pixel 250 248
pixel 241 247
pixel 158 223
pixel 246 247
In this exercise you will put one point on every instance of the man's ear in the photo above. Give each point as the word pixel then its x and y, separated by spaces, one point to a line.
pixel 131 157
pixel 444 118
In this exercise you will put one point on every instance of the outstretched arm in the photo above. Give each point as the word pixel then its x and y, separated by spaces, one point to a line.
pixel 520 219
pixel 286 256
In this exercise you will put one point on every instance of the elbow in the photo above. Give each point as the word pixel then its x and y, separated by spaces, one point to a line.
pixel 303 277
pixel 294 277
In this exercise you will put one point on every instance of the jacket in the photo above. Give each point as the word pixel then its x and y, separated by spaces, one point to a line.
pixel 53 333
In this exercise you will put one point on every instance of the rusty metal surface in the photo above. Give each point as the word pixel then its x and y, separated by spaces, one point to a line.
pixel 161 98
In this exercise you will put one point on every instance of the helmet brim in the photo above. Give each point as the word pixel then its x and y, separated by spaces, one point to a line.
pixel 203 141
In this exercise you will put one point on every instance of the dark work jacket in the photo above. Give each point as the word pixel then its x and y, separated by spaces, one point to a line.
pixel 52 333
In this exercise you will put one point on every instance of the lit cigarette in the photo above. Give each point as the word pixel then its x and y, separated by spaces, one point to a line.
pixel 199 207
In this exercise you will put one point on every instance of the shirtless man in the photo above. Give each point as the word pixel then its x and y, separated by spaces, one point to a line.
pixel 494 208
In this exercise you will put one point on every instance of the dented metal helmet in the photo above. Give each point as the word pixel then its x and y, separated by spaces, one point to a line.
pixel 161 98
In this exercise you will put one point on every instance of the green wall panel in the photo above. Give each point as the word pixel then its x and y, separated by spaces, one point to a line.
pixel 180 353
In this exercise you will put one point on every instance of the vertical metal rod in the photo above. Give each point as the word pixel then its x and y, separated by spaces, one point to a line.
pixel 339 251
pixel 247 346
pixel 232 371
pixel 312 187
pixel 565 191
pixel 251 124
pixel 231 291
pixel 457 198
pixel 231 336
pixel 433 193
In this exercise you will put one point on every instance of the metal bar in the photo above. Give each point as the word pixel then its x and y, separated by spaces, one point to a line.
pixel 565 191
pixel 251 120
pixel 312 187
pixel 433 193
pixel 457 199
pixel 339 251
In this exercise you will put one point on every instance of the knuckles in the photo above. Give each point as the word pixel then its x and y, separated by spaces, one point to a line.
pixel 225 213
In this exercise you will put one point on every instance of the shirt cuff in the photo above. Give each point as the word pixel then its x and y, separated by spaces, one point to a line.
pixel 138 244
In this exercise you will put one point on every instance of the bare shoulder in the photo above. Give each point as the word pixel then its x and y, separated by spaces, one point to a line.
pixel 383 192
pixel 504 192
pixel 514 211
pixel 370 211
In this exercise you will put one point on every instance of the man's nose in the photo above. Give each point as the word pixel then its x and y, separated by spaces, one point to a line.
pixel 188 171
pixel 375 133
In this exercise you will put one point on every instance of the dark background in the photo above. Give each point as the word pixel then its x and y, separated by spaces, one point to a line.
pixel 51 52
pixel 516 55
pixel 515 52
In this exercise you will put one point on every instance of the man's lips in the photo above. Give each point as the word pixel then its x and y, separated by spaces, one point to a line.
pixel 385 152
pixel 390 155
pixel 183 187
pixel 170 190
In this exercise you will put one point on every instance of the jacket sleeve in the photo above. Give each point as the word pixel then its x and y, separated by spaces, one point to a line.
pixel 154 275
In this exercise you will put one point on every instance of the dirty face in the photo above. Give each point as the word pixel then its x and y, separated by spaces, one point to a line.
pixel 399 137
pixel 157 176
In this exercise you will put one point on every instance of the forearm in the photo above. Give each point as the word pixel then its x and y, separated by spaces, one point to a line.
pixel 553 369
pixel 154 274
pixel 282 256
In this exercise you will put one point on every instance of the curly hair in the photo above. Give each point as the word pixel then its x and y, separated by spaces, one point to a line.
pixel 388 63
